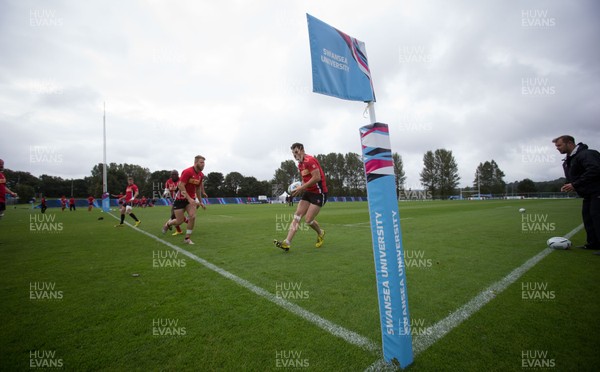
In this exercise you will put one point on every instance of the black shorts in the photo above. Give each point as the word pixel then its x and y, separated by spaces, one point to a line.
pixel 316 199
pixel 2 207
pixel 180 204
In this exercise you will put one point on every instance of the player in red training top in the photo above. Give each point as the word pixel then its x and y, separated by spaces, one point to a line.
pixel 43 205
pixel 72 204
pixel 314 196
pixel 4 190
pixel 171 191
pixel 126 201
pixel 190 189
pixel 171 185
pixel 90 200
pixel 63 202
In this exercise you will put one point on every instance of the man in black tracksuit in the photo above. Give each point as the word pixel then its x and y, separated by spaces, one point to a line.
pixel 582 170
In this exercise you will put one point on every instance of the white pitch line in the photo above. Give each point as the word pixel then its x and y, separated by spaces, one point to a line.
pixel 358 224
pixel 351 337
pixel 366 224
pixel 441 328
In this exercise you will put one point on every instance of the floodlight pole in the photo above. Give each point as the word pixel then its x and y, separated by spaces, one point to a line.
pixel 478 185
pixel 104 178
pixel 105 195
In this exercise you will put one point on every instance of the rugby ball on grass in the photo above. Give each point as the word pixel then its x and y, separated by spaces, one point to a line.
pixel 294 186
pixel 559 243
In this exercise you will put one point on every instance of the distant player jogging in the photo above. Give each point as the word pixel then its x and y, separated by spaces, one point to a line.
pixel 126 201
pixel 190 189
pixel 314 197
pixel 90 200
pixel 4 190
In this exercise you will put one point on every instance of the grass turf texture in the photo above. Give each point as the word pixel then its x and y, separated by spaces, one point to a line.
pixel 183 316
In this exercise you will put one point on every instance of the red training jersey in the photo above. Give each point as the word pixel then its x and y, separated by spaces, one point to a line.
pixel 306 167
pixel 130 192
pixel 172 187
pixel 90 200
pixel 2 188
pixel 191 179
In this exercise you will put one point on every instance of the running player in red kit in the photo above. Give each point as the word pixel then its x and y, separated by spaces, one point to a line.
pixel 43 205
pixel 90 200
pixel 126 201
pixel 63 202
pixel 314 196
pixel 4 190
pixel 171 188
pixel 190 187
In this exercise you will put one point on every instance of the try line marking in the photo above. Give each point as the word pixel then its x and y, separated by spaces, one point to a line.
pixel 351 337
pixel 441 328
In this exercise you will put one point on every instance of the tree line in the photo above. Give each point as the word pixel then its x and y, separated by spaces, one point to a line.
pixel 345 177
pixel 150 184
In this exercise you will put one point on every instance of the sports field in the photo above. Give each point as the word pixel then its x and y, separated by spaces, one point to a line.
pixel 80 294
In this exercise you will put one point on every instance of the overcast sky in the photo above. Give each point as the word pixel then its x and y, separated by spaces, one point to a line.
pixel 231 80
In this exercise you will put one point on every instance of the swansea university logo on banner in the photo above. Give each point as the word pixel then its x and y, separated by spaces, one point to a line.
pixel 388 252
pixel 339 63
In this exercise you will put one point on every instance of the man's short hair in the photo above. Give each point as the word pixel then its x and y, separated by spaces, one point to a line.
pixel 297 145
pixel 199 157
pixel 565 138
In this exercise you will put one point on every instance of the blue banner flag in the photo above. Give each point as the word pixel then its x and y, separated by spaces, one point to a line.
pixel 106 202
pixel 339 63
pixel 387 244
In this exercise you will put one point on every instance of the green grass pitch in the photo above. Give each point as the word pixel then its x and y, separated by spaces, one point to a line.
pixel 79 294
